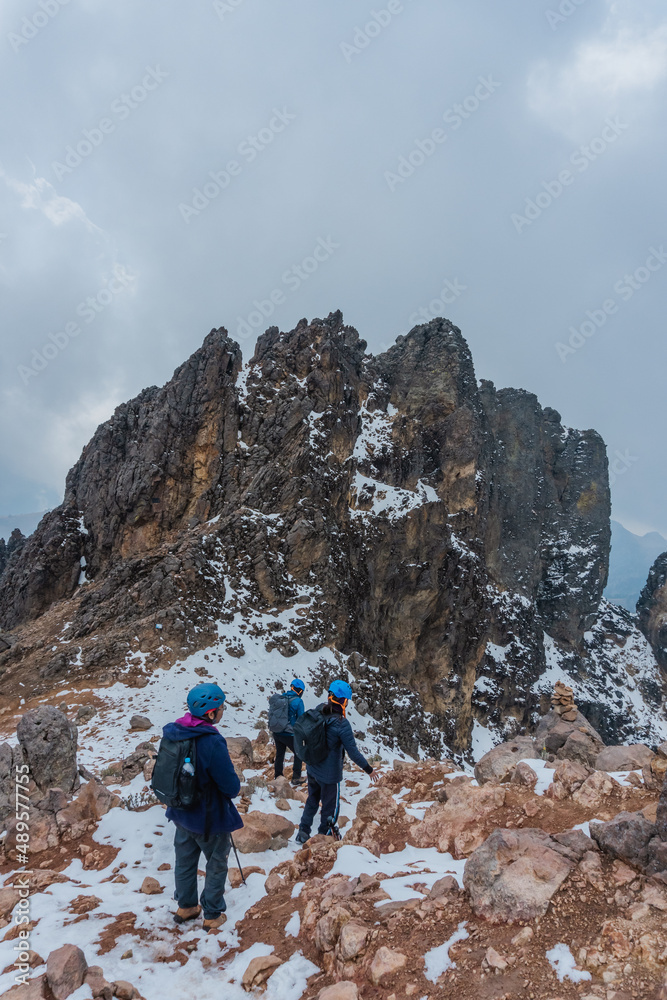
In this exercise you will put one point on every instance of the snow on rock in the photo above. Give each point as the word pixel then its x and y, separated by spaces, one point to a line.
pixel 621 686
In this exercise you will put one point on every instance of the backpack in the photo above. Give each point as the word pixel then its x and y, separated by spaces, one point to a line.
pixel 310 737
pixel 279 705
pixel 171 784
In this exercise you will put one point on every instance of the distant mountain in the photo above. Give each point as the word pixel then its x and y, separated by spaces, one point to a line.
pixel 26 523
pixel 631 558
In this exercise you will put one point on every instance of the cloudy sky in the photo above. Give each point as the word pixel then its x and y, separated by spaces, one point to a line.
pixel 167 168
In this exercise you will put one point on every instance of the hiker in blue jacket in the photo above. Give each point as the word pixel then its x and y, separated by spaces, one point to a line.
pixel 284 740
pixel 208 825
pixel 324 779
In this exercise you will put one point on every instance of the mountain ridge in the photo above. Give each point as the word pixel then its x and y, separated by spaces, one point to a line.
pixel 421 521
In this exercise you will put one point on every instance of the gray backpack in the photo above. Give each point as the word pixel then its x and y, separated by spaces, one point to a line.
pixel 279 712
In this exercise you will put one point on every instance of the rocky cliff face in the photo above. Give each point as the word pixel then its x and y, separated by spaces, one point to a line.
pixel 436 529
pixel 652 609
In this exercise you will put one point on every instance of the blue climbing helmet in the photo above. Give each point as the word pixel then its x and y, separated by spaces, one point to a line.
pixel 298 684
pixel 341 690
pixel 204 698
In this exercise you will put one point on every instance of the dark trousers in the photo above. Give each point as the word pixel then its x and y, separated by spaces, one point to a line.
pixel 188 847
pixel 285 741
pixel 329 797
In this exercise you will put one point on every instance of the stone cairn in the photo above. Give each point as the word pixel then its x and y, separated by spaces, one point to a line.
pixel 562 701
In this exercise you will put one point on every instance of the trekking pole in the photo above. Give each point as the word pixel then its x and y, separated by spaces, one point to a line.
pixel 238 861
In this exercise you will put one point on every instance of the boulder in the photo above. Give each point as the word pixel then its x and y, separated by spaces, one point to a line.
pixel 353 940
pixel 251 840
pixel 35 989
pixel 259 970
pixel 552 732
pixel 568 776
pixel 498 764
pixel 66 970
pixel 263 832
pixel 662 750
pixel 595 789
pixel 124 990
pixel 458 825
pixel 580 747
pixel 48 743
pixel 140 722
pixel 8 900
pixel 328 928
pixel 275 825
pixel 43 833
pixel 339 991
pixel 85 714
pixel 281 788
pixel 240 750
pixel 134 764
pixel 93 801
pixel 524 775
pixel 622 758
pixel 514 874
pixel 99 987
pixel 655 773
pixel 379 805
pixel 576 841
pixel 626 837
pixel 386 963
pixel 443 887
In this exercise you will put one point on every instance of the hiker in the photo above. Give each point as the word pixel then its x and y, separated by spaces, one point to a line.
pixel 193 756
pixel 284 710
pixel 327 725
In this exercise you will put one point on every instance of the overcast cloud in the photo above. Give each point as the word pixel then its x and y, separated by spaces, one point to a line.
pixel 513 150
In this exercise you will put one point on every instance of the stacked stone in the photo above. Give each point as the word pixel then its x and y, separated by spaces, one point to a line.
pixel 562 701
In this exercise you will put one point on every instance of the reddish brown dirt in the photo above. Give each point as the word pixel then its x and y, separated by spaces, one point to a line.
pixel 575 918
pixel 59 858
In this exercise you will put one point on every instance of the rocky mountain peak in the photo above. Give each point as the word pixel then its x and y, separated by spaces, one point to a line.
pixel 452 538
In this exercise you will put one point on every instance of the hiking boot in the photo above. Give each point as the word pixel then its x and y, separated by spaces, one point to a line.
pixel 183 914
pixel 302 837
pixel 295 782
pixel 215 924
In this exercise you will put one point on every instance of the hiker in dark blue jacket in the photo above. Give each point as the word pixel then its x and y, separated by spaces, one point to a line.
pixel 208 825
pixel 324 779
pixel 284 740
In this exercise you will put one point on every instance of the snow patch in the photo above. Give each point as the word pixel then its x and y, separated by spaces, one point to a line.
pixel 562 962
pixel 437 960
